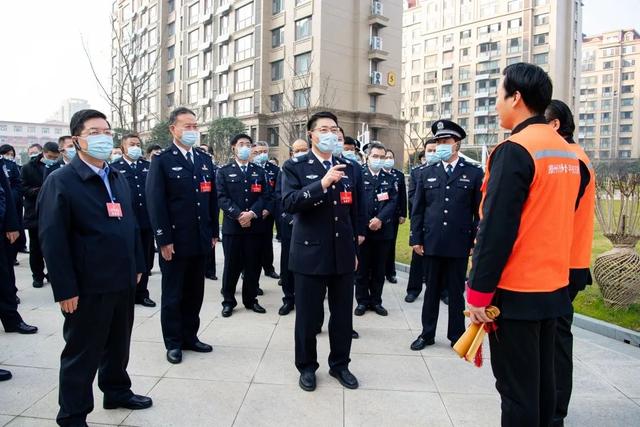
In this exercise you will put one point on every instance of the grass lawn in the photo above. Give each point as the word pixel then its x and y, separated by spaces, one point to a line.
pixel 588 302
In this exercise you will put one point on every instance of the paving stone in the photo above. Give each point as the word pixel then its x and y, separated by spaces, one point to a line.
pixel 605 411
pixel 223 364
pixel 478 410
pixel 27 386
pixel 458 376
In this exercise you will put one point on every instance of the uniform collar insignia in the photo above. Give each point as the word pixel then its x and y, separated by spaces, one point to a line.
pixel 174 152
pixel 204 168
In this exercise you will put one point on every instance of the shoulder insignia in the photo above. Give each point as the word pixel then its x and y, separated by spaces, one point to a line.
pixel 432 179
pixel 311 176
pixel 177 168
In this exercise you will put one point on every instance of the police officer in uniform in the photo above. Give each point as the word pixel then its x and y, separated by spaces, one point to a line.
pixel 417 268
pixel 12 172
pixel 444 219
pixel 243 196
pixel 183 207
pixel 210 268
pixel 318 190
pixel 381 199
pixel 400 214
pixel 135 168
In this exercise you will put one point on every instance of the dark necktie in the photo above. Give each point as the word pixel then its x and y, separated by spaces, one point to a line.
pixel 244 169
pixel 189 159
pixel 327 164
pixel 449 170
pixel 133 165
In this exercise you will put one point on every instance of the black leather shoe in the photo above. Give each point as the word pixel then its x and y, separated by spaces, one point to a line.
pixel 174 356
pixel 260 292
pixel 198 347
pixel 410 298
pixel 146 302
pixel 285 309
pixel 38 283
pixel 17 299
pixel 280 282
pixel 444 299
pixel 272 274
pixel 360 309
pixel 346 378
pixel 307 381
pixel 380 310
pixel 355 335
pixel 421 343
pixel 257 308
pixel 22 328
pixel 5 375
pixel 16 263
pixel 227 310
pixel 392 279
pixel 211 276
pixel 134 402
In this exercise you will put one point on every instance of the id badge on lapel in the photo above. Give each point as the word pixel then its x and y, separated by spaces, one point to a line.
pixel 256 188
pixel 382 196
pixel 205 187
pixel 346 197
pixel 114 210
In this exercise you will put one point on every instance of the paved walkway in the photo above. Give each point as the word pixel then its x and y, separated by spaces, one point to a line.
pixel 250 378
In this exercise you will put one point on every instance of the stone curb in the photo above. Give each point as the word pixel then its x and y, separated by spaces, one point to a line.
pixel 599 327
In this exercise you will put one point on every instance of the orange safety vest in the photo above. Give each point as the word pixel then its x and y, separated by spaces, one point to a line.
pixel 582 243
pixel 539 261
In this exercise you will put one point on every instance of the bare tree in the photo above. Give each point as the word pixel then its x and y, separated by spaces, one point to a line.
pixel 131 74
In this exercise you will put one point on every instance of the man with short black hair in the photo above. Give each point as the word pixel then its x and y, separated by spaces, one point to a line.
pixel 32 177
pixel 91 242
pixel 67 152
pixel 152 151
pixel 183 209
pixel 34 150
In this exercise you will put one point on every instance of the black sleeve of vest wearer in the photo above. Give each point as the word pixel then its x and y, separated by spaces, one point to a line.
pixel 585 177
pixel 511 174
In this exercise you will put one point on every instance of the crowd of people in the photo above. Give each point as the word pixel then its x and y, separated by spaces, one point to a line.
pixel 95 224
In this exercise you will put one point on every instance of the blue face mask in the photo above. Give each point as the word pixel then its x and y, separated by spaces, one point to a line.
pixel 134 152
pixel 430 158
pixel 388 163
pixel 338 149
pixel 444 152
pixel 190 137
pixel 327 142
pixel 243 153
pixel 71 153
pixel 48 162
pixel 261 159
pixel 99 146
pixel 351 155
pixel 376 164
pixel 300 154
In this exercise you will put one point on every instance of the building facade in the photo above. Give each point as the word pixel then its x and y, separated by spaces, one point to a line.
pixel 68 108
pixel 269 63
pixel 454 53
pixel 22 134
pixel 609 126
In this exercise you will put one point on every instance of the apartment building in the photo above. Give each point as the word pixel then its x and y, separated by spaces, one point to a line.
pixel 269 63
pixel 454 52
pixel 22 134
pixel 609 126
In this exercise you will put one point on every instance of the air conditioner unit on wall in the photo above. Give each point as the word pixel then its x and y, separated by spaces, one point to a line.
pixel 376 43
pixel 376 78
pixel 376 8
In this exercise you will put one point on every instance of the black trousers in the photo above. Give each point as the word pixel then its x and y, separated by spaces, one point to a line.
pixel 8 306
pixel 36 259
pixel 148 249
pixel 390 263
pixel 286 276
pixel 182 294
pixel 210 266
pixel 266 261
pixel 564 364
pixel 240 256
pixel 522 353
pixel 310 292
pixel 97 337
pixel 418 272
pixel 449 274
pixel 370 275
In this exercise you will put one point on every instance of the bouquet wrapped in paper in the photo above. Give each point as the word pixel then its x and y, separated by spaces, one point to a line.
pixel 469 346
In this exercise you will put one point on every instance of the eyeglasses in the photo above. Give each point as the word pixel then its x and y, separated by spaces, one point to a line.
pixel 326 129
pixel 94 131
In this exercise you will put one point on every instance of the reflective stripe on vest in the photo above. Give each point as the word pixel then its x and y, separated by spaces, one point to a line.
pixel 582 243
pixel 539 260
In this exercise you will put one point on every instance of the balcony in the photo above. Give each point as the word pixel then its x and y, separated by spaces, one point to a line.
pixel 224 8
pixel 205 45
pixel 222 68
pixel 447 81
pixel 446 115
pixel 485 93
pixel 204 73
pixel 223 37
pixel 204 101
pixel 482 111
pixel 206 17
pixel 377 14
pixel 446 98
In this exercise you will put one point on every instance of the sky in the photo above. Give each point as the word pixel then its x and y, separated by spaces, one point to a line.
pixel 43 61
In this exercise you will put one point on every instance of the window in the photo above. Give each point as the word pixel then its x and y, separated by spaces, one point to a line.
pixel 153 14
pixel 514 25
pixel 465 35
pixel 171 51
pixel 540 39
pixel 542 19
pixel 170 76
pixel 605 130
pixel 244 78
pixel 303 28
pixel 610 51
pixel 464 72
pixel 626 102
pixel 45 130
pixel 491 48
pixel 223 28
pixel 192 66
pixel 488 67
pixel 244 16
pixel 514 5
pixel 604 117
pixel 463 89
pixel 464 54
pixel 607 91
pixel 446 91
pixel 605 142
pixel 607 78
pixel 223 82
pixel 193 40
pixel 373 103
pixel 431 44
pixel 628 62
pixel 273 136
pixel 207 60
pixel 276 103
pixel 207 33
pixel 223 109
pixel 415 80
pixel 192 93
pixel 277 37
pixel 194 11
pixel 627 89
pixel 171 5
pixel 277 70
pixel 170 99
pixel 624 154
pixel 302 63
pixel 31 129
pixel 171 29
pixel 628 76
pixel 242 107
pixel 447 74
pixel 206 88
pixel 488 29
pixel 3 128
pixel 431 77
pixel 625 128
pixel 463 107
pixel 244 47
pixel 606 104
pixel 538 3
pixel 607 65
pixel 624 141
pixel 514 45
pixel 541 58
pixel 487 87
pixel 277 7
pixel 301 98
pixel 626 115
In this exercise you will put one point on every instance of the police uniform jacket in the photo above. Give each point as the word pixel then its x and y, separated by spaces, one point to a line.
pixel 413 177
pixel 180 209
pixel 271 175
pixel 137 179
pixel 285 218
pixel 31 178
pixel 401 206
pixel 12 172
pixel 86 250
pixel 362 222
pixel 445 217
pixel 241 192
pixel 9 220
pixel 324 228
pixel 381 199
